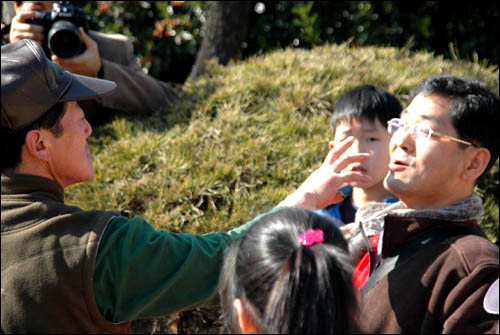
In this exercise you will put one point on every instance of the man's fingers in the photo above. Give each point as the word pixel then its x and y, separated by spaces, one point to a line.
pixel 351 176
pixel 85 37
pixel 22 30
pixel 28 15
pixel 36 29
pixel 87 40
pixel 21 26
pixel 329 156
pixel 29 35
pixel 339 196
pixel 23 34
pixel 342 163
pixel 337 149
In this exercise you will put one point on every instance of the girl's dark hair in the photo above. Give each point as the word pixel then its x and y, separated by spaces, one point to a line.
pixel 286 287
pixel 474 109
pixel 12 142
pixel 366 102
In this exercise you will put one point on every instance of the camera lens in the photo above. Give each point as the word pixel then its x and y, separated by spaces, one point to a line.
pixel 64 39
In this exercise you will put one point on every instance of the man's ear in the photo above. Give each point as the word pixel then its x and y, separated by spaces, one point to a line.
pixel 246 324
pixel 476 163
pixel 35 145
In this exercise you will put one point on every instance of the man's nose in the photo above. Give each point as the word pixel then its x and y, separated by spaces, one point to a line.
pixel 88 128
pixel 403 139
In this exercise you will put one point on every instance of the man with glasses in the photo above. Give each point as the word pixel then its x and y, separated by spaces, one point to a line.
pixel 419 130
pixel 435 262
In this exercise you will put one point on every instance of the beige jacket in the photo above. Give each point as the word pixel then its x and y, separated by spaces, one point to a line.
pixel 137 92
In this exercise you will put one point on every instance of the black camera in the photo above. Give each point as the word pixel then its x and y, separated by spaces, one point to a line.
pixel 62 37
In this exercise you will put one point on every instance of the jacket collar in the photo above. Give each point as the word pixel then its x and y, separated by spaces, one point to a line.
pixel 24 184
pixel 399 230
pixel 373 218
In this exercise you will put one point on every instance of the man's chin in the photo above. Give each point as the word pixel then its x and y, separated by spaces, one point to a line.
pixel 396 186
pixel 89 175
pixel 391 183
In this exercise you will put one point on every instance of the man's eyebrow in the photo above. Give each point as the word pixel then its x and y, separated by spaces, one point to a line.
pixel 423 116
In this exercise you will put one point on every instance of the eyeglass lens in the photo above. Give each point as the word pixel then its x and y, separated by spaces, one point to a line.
pixel 415 129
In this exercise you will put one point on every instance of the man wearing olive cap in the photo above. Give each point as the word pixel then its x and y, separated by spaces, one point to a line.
pixel 65 270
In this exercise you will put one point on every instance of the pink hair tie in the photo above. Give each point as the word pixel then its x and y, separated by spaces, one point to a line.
pixel 310 237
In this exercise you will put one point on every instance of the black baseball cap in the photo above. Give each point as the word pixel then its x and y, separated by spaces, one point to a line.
pixel 32 84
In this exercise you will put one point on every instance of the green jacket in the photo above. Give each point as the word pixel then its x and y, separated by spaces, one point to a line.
pixel 141 272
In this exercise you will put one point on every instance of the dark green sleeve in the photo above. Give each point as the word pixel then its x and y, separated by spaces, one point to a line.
pixel 141 272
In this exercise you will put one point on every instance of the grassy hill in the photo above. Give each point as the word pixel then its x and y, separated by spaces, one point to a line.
pixel 243 137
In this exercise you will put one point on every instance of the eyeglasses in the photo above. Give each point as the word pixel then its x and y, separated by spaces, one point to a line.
pixel 419 131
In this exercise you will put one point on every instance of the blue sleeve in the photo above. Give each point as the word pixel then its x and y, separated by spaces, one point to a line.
pixel 332 211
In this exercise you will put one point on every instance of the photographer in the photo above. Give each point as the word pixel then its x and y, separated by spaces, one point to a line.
pixel 106 56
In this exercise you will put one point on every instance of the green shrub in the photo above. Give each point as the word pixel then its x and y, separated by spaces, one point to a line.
pixel 246 135
pixel 389 23
pixel 167 34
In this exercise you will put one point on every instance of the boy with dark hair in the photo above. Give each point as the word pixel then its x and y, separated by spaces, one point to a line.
pixel 363 113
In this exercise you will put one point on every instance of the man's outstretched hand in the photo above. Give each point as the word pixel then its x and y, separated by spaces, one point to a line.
pixel 321 188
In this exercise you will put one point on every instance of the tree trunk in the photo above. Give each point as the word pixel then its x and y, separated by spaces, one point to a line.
pixel 226 29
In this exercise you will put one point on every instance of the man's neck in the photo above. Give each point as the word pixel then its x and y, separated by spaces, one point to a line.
pixel 32 169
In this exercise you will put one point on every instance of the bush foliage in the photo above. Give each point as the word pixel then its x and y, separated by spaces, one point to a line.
pixel 243 137
pixel 167 34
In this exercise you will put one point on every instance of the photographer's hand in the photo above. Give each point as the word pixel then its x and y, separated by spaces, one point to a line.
pixel 88 63
pixel 19 29
pixel 321 187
